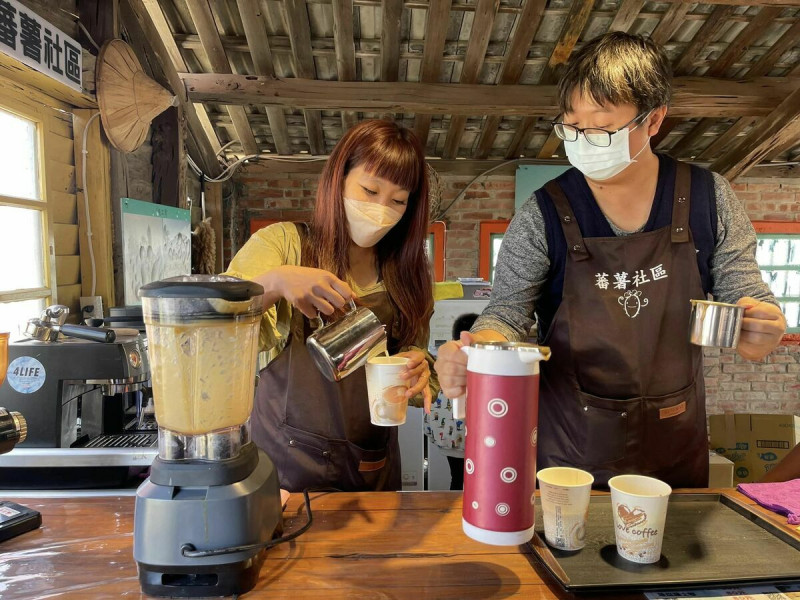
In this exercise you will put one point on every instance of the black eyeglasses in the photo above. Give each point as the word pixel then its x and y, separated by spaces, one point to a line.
pixel 593 135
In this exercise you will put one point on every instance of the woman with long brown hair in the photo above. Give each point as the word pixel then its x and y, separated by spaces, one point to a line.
pixel 365 241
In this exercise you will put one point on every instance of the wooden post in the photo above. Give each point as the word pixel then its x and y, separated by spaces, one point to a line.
pixel 214 210
pixel 98 187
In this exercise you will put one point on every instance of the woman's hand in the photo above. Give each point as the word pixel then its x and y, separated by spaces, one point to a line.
pixel 310 290
pixel 418 373
pixel 762 328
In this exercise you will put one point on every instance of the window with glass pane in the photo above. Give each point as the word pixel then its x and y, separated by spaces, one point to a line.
pixel 21 248
pixel 778 258
pixel 19 177
pixel 496 240
pixel 24 285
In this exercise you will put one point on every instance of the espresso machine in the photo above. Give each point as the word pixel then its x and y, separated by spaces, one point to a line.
pixel 212 500
pixel 88 406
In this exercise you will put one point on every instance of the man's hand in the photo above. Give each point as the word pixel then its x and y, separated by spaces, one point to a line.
pixel 762 328
pixel 451 366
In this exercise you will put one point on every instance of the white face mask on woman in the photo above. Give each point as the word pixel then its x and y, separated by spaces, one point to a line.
pixel 600 163
pixel 369 221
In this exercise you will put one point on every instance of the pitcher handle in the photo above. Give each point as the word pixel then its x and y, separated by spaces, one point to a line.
pixel 460 403
pixel 460 408
pixel 320 323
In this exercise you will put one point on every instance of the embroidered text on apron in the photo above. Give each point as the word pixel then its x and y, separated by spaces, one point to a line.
pixel 623 391
pixel 317 432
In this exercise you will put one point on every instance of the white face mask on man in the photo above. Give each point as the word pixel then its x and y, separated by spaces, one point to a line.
pixel 603 162
pixel 369 221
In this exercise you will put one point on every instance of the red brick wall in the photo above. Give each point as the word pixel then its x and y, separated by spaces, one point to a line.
pixel 770 200
pixel 731 382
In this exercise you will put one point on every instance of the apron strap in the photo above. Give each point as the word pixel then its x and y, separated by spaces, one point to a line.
pixel 681 202
pixel 569 224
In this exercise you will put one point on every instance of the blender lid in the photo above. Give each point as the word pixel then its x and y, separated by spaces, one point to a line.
pixel 222 287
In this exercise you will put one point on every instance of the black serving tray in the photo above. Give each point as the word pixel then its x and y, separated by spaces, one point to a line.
pixel 709 539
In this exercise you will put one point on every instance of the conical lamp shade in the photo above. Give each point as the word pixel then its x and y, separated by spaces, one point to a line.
pixel 129 100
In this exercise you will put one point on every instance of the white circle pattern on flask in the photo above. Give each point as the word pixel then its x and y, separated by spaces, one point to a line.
pixel 534 436
pixel 533 498
pixel 475 504
pixel 489 441
pixel 469 466
pixel 498 407
pixel 502 509
pixel 509 474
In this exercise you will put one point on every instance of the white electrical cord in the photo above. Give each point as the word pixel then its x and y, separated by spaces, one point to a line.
pixel 85 153
pixel 229 170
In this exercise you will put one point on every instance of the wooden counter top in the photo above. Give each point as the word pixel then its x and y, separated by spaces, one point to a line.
pixel 367 545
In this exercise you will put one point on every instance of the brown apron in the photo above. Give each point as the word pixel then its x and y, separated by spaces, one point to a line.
pixel 317 432
pixel 623 391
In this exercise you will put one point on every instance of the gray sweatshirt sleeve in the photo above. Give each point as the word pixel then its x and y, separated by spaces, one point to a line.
pixel 734 271
pixel 521 271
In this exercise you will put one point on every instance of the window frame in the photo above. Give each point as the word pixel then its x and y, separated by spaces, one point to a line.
pixel 438 229
pixel 779 229
pixel 488 230
pixel 49 291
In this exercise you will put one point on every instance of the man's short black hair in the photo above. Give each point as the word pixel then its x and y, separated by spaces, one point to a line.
pixel 618 68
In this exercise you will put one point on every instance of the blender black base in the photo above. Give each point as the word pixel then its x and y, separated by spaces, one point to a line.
pixel 200 582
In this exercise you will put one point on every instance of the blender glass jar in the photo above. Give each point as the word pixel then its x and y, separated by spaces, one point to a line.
pixel 202 343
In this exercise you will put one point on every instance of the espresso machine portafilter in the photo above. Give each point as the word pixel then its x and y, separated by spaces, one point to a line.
pixel 53 322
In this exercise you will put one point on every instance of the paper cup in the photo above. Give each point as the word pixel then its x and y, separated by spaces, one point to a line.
pixel 639 506
pixel 387 391
pixel 565 504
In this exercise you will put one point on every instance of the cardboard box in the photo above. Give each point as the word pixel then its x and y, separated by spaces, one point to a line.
pixel 754 443
pixel 720 471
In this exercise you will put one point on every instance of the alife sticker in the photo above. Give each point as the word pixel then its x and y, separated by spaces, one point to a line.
pixel 26 375
pixel 672 411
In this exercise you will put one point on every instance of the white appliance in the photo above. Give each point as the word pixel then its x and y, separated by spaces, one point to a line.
pixel 445 313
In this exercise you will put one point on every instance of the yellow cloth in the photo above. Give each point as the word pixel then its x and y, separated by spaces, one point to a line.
pixel 445 290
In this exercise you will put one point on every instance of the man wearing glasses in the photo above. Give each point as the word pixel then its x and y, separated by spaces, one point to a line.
pixel 607 257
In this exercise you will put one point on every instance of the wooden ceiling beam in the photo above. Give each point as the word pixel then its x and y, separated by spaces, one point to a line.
pixel 473 61
pixel 202 140
pixel 570 33
pixel 521 137
pixel 296 14
pixel 391 13
pixel 707 32
pixel 670 21
pixel 768 60
pixel 344 44
pixel 436 21
pixel 454 50
pixel 683 147
pixel 527 26
pixel 728 139
pixel 693 96
pixel 200 12
pixel 255 30
pixel 626 15
pixel 470 168
pixel 781 129
pixel 746 37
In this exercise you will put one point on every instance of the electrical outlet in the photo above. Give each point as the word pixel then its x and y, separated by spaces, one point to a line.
pixel 91 307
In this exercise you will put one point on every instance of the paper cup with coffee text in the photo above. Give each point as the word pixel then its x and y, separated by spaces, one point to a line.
pixel 639 507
